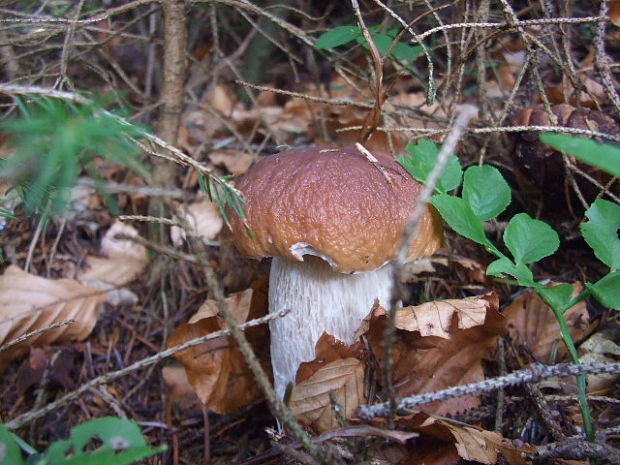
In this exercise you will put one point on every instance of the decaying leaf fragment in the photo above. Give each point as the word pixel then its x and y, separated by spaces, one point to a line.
pixel 124 260
pixel 435 318
pixel 217 369
pixel 29 303
pixel 336 373
pixel 203 217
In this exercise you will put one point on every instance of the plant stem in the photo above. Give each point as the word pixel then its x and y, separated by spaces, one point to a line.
pixel 572 351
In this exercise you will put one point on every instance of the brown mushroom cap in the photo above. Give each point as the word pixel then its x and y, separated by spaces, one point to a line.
pixel 333 203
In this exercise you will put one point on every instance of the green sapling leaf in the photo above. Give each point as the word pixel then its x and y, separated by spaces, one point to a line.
pixel 486 191
pixel 603 156
pixel 559 296
pixel 530 240
pixel 421 160
pixel 607 290
pixel 503 266
pixel 456 212
pixel 601 232
pixel 336 37
pixel 122 444
pixel 9 449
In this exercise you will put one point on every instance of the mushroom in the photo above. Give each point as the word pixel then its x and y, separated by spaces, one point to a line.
pixel 332 219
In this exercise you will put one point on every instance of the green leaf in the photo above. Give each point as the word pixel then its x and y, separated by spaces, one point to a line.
pixel 406 52
pixel 336 37
pixel 607 290
pixel 601 232
pixel 603 156
pixel 503 266
pixel 486 191
pixel 530 240
pixel 559 296
pixel 422 159
pixel 459 216
pixel 9 449
pixel 122 444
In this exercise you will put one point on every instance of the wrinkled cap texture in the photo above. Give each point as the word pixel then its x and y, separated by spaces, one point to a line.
pixel 332 203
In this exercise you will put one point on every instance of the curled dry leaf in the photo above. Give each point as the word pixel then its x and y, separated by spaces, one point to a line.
pixel 234 161
pixel 341 380
pixel 599 349
pixel 531 324
pixel 179 389
pixel 430 363
pixel 29 303
pixel 125 260
pixel 217 369
pixel 469 442
pixel 337 370
pixel 203 217
pixel 435 318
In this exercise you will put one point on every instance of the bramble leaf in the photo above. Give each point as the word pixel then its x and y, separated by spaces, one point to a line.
pixel 486 191
pixel 558 296
pixel 530 240
pixel 459 216
pixel 503 266
pixel 601 231
pixel 607 290
pixel 603 156
pixel 421 160
pixel 337 36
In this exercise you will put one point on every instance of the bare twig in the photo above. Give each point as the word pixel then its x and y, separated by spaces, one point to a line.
pixel 532 374
pixel 466 113
pixel 145 362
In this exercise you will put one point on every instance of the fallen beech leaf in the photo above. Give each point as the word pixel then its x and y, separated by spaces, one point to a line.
pixel 217 369
pixel 29 303
pixel 180 391
pixel 430 363
pixel 343 380
pixel 238 303
pixel 531 323
pixel 204 219
pixel 472 443
pixel 435 318
pixel 598 349
pixel 125 259
pixel 614 12
pixel 234 161
pixel 328 349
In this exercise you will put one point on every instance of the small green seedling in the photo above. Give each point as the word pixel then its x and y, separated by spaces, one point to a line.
pixel 54 140
pixel 484 195
pixel 343 35
pixel 103 441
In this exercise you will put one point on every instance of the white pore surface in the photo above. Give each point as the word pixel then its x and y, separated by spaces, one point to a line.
pixel 320 300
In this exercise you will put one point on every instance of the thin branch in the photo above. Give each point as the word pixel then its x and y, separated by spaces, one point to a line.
pixel 533 374
pixel 104 379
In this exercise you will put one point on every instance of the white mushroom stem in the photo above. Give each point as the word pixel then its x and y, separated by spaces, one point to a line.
pixel 320 300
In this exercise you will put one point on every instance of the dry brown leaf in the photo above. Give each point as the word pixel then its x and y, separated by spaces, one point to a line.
pixel 471 443
pixel 614 12
pixel 217 369
pixel 342 379
pixel 435 318
pixel 29 303
pixel 234 161
pixel 179 389
pixel 598 349
pixel 203 217
pixel 531 324
pixel 430 363
pixel 125 259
